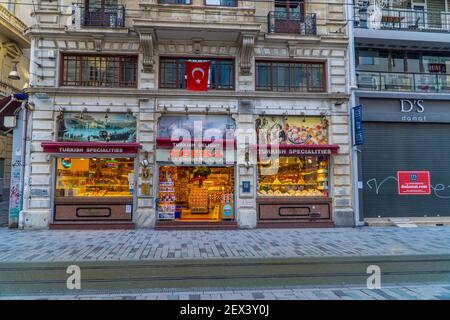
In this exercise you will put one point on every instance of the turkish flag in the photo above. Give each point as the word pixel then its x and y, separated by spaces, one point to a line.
pixel 197 75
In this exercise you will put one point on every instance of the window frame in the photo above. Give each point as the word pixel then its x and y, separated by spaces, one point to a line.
pixel 272 87
pixel 174 2
pixel 205 2
pixel 177 58
pixel 81 83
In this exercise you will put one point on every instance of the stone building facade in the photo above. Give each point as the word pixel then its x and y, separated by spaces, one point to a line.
pixel 244 33
pixel 14 52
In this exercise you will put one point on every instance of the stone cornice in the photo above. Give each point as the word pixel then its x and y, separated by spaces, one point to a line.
pixel 146 93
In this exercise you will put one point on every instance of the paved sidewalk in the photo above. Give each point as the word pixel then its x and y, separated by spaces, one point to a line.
pixel 409 292
pixel 147 244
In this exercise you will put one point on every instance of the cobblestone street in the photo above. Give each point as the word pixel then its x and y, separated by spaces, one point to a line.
pixel 413 292
pixel 146 244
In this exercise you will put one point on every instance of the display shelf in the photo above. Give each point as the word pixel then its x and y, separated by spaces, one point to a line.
pixel 287 184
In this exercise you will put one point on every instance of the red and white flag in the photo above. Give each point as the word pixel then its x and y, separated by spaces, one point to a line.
pixel 197 75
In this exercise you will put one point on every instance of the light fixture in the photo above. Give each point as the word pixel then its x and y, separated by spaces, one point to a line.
pixel 145 163
pixel 14 75
pixel 31 106
pixel 339 103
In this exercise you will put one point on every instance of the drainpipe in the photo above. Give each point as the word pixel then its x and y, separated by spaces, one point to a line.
pixel 352 103
pixel 26 156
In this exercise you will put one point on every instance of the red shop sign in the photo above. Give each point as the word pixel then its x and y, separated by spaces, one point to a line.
pixel 414 183
pixel 89 147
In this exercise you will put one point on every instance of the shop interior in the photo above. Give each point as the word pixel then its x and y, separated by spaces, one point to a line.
pixel 196 193
pixel 95 177
pixel 303 176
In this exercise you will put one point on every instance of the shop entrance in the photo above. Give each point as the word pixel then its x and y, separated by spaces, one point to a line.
pixel 196 193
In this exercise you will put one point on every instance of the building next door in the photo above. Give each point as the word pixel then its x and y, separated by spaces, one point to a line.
pixel 393 146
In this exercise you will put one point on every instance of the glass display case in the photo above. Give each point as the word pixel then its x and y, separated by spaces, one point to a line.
pixel 304 176
pixel 94 177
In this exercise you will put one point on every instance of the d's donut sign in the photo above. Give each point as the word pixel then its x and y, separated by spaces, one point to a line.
pixel 413 183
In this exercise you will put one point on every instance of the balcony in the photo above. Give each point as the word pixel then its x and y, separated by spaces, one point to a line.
pixel 403 82
pixel 281 22
pixel 403 19
pixel 98 17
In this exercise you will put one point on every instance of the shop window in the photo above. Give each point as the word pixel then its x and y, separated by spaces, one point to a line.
pixel 290 76
pixel 95 177
pixel 99 71
pixel 302 176
pixel 196 193
pixel 173 73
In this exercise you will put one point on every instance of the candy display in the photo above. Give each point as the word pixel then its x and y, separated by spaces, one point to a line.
pixel 305 176
pixel 197 192
pixel 95 177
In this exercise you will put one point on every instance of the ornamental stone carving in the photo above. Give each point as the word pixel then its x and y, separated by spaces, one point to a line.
pixel 147 50
pixel 247 46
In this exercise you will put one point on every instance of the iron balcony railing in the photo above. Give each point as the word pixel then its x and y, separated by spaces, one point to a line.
pixel 406 82
pixel 100 17
pixel 283 22
pixel 402 19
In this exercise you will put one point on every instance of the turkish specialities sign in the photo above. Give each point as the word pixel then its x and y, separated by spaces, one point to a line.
pixel 89 148
pixel 306 151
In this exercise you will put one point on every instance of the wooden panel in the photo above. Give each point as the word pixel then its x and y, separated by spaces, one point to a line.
pixel 93 209
pixel 294 209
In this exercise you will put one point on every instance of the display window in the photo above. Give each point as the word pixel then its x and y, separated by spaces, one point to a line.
pixel 302 176
pixel 95 177
pixel 196 193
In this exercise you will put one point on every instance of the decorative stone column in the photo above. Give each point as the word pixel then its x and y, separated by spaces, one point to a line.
pixel 145 212
pixel 246 172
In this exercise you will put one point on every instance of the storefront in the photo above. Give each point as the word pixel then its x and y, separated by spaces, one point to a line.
pixel 405 139
pixel 195 171
pixel 94 161
pixel 293 172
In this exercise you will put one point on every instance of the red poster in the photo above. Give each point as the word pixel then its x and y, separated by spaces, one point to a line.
pixel 197 75
pixel 414 182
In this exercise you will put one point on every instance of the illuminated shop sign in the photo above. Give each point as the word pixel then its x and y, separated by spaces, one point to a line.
pixel 306 151
pixel 292 130
pixel 97 127
pixel 89 147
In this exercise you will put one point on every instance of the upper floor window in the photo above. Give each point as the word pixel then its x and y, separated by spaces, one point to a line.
pixel 223 3
pixel 174 1
pixel 12 6
pixel 99 71
pixel 103 13
pixel 398 61
pixel 286 9
pixel 173 73
pixel 290 76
